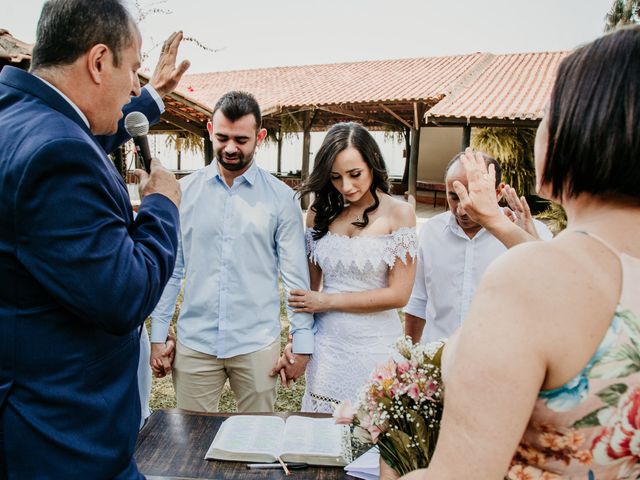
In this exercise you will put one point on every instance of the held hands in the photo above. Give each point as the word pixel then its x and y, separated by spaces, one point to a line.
pixel 162 355
pixel 166 76
pixel 308 301
pixel 290 366
pixel 160 180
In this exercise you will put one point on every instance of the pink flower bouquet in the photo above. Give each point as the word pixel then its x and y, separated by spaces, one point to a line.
pixel 400 407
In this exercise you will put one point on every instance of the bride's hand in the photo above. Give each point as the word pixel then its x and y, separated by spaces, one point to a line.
pixel 308 301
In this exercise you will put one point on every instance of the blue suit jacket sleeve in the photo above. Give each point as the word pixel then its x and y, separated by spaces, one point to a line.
pixel 83 246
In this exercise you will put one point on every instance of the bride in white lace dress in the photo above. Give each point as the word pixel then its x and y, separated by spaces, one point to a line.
pixel 361 244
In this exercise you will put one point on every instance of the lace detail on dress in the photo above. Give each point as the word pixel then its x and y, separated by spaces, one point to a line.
pixel 330 251
pixel 349 345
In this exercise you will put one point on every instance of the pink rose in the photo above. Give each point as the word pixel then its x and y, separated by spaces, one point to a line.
pixel 403 367
pixel 620 438
pixel 344 413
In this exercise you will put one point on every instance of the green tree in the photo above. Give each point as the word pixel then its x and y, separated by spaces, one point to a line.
pixel 623 12
pixel 513 148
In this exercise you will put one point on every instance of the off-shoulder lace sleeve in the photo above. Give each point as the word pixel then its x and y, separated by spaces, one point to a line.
pixel 401 243
pixel 310 244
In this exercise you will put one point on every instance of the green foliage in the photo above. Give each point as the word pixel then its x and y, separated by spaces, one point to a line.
pixel 185 142
pixel 623 12
pixel 555 217
pixel 513 148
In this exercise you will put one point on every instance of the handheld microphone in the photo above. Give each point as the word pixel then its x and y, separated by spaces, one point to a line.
pixel 137 125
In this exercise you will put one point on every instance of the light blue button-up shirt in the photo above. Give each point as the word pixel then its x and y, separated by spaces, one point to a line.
pixel 233 243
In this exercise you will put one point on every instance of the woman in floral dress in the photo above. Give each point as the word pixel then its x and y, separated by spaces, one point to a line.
pixel 547 363
pixel 361 244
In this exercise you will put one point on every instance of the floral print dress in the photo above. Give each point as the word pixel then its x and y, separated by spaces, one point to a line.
pixel 590 427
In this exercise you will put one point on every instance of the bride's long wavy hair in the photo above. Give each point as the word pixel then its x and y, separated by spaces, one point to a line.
pixel 328 202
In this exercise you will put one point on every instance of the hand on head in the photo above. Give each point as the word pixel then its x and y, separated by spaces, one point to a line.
pixel 160 180
pixel 166 75
pixel 478 200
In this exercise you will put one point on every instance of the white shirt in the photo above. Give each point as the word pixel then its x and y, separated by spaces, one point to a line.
pixel 233 243
pixel 448 271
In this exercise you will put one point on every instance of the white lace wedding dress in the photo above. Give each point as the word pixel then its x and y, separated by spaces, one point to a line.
pixel 348 346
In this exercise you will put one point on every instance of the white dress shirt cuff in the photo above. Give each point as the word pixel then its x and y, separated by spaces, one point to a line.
pixel 302 342
pixel 416 307
pixel 155 96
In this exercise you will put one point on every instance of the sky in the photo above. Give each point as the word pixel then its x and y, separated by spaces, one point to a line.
pixel 250 34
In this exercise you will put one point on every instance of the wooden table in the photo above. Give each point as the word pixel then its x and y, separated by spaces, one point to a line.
pixel 173 443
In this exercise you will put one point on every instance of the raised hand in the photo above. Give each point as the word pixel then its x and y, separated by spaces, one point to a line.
pixel 166 75
pixel 479 199
pixel 519 211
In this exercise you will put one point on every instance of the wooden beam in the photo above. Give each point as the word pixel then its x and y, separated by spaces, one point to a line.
pixel 395 115
pixel 192 127
pixel 165 128
pixel 295 120
pixel 180 99
pixel 346 113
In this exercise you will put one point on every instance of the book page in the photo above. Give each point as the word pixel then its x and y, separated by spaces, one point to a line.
pixel 251 434
pixel 313 436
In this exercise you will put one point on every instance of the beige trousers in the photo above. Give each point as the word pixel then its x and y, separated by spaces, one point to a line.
pixel 198 379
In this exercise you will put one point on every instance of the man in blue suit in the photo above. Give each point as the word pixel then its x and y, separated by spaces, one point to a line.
pixel 78 275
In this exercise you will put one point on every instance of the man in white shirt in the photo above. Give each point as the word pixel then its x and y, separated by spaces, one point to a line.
pixel 239 228
pixel 453 253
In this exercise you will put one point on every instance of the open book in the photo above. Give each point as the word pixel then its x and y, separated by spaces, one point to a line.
pixel 262 438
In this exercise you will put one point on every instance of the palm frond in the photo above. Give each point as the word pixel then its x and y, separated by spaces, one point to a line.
pixel 513 148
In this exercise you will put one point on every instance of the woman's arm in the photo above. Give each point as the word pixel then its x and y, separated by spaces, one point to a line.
pixel 499 367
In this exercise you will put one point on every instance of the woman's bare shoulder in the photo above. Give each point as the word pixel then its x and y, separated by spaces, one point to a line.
pixel 401 213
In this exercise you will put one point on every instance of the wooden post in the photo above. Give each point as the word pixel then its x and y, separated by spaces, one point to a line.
pixel 413 167
pixel 418 112
pixel 119 161
pixel 306 149
pixel 309 117
pixel 179 150
pixel 407 154
pixel 208 150
pixel 279 160
pixel 466 137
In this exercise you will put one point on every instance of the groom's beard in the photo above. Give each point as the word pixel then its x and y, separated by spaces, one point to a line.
pixel 234 162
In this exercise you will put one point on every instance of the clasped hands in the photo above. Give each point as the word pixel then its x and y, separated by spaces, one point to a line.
pixel 290 366
pixel 162 355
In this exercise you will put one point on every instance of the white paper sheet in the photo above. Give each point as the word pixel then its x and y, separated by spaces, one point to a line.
pixel 366 466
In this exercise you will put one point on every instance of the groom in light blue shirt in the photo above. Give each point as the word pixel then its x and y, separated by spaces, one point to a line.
pixel 240 228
